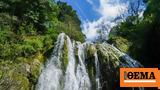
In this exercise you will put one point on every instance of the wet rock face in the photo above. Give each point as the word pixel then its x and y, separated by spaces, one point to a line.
pixel 84 66
pixel 110 60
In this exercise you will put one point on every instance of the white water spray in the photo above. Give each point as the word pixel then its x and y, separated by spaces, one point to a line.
pixel 76 74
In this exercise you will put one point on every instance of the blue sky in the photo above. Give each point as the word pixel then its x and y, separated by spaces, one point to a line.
pixel 85 9
pixel 100 15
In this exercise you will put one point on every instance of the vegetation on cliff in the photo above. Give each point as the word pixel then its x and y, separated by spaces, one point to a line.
pixel 28 30
pixel 139 36
pixel 28 27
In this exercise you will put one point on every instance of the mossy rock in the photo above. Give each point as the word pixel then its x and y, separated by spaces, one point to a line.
pixel 65 56
pixel 13 77
pixel 1 74
pixel 21 74
pixel 121 43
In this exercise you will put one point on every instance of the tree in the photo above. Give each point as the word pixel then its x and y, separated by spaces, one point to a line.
pixel 143 34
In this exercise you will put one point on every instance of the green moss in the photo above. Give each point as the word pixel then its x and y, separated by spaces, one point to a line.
pixel 76 56
pixel 91 70
pixel 1 74
pixel 90 61
pixel 14 76
pixel 91 50
pixel 90 64
pixel 40 57
pixel 35 71
pixel 22 74
pixel 22 82
pixel 65 56
pixel 121 43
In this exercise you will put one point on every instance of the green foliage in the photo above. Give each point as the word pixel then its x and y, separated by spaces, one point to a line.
pixel 121 43
pixel 70 22
pixel 28 27
pixel 28 31
pixel 20 75
pixel 143 33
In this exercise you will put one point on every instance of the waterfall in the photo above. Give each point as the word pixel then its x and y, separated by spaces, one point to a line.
pixel 51 74
pixel 98 84
pixel 75 78
pixel 70 78
pixel 82 75
pixel 66 69
pixel 129 62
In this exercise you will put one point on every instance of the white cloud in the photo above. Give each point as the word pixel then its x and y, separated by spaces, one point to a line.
pixel 91 29
pixel 109 11
pixel 111 8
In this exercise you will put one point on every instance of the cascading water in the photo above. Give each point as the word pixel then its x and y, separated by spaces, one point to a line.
pixel 70 78
pixel 76 66
pixel 51 74
pixel 82 75
pixel 75 78
pixel 98 84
